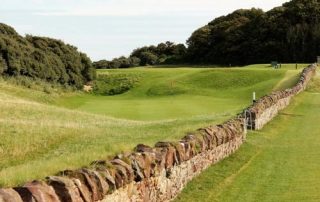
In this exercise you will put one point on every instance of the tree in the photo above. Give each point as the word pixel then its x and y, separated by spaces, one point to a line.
pixel 198 44
pixel 115 64
pixel 134 61
pixel 148 58
pixel 288 33
pixel 102 64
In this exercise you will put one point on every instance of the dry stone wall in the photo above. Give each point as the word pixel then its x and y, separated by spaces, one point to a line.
pixel 156 173
pixel 169 183
pixel 267 107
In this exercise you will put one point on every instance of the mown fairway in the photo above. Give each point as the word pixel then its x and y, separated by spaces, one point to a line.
pixel 279 163
pixel 45 133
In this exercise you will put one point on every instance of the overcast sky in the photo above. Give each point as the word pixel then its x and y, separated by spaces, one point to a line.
pixel 105 29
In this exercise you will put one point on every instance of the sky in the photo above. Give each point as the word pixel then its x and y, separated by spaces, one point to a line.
pixel 104 29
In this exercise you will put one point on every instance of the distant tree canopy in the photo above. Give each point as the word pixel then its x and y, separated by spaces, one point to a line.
pixel 43 58
pixel 290 33
pixel 163 53
pixel 121 62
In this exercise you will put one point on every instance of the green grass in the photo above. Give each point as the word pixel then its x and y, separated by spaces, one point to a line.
pixel 164 93
pixel 43 133
pixel 279 163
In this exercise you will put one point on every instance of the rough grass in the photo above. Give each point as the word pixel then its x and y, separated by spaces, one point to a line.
pixel 40 138
pixel 279 163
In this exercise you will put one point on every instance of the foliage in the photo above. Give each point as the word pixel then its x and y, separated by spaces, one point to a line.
pixel 290 33
pixel 163 53
pixel 121 62
pixel 148 58
pixel 44 58
pixel 114 84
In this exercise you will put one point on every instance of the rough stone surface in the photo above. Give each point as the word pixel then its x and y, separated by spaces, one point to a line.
pixel 41 192
pixel 170 182
pixel 65 188
pixel 267 107
pixel 9 195
pixel 25 194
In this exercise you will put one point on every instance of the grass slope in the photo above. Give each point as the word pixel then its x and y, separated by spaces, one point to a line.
pixel 279 163
pixel 39 138
pixel 168 93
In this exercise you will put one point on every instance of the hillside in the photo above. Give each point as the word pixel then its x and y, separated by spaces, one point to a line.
pixel 39 137
pixel 42 58
pixel 279 163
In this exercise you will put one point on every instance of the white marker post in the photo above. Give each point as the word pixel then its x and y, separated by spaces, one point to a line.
pixel 254 97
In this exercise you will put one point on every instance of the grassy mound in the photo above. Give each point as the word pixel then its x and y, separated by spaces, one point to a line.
pixel 229 78
pixel 165 90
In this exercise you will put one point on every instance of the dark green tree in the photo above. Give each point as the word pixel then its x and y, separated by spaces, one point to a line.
pixel 43 58
pixel 148 58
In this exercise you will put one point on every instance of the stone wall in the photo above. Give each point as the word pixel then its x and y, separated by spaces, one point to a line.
pixel 156 173
pixel 267 107
pixel 169 183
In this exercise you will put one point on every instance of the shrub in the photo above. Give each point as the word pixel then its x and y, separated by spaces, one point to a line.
pixel 114 84
pixel 43 58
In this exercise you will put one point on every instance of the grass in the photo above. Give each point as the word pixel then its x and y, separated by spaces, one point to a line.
pixel 164 93
pixel 279 163
pixel 43 133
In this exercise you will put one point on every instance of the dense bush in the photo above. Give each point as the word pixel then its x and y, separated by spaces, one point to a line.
pixel 44 58
pixel 115 83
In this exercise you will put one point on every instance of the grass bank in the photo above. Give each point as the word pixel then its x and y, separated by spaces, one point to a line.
pixel 279 163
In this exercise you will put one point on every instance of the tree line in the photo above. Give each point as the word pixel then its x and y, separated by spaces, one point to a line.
pixel 43 58
pixel 289 33
pixel 163 53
